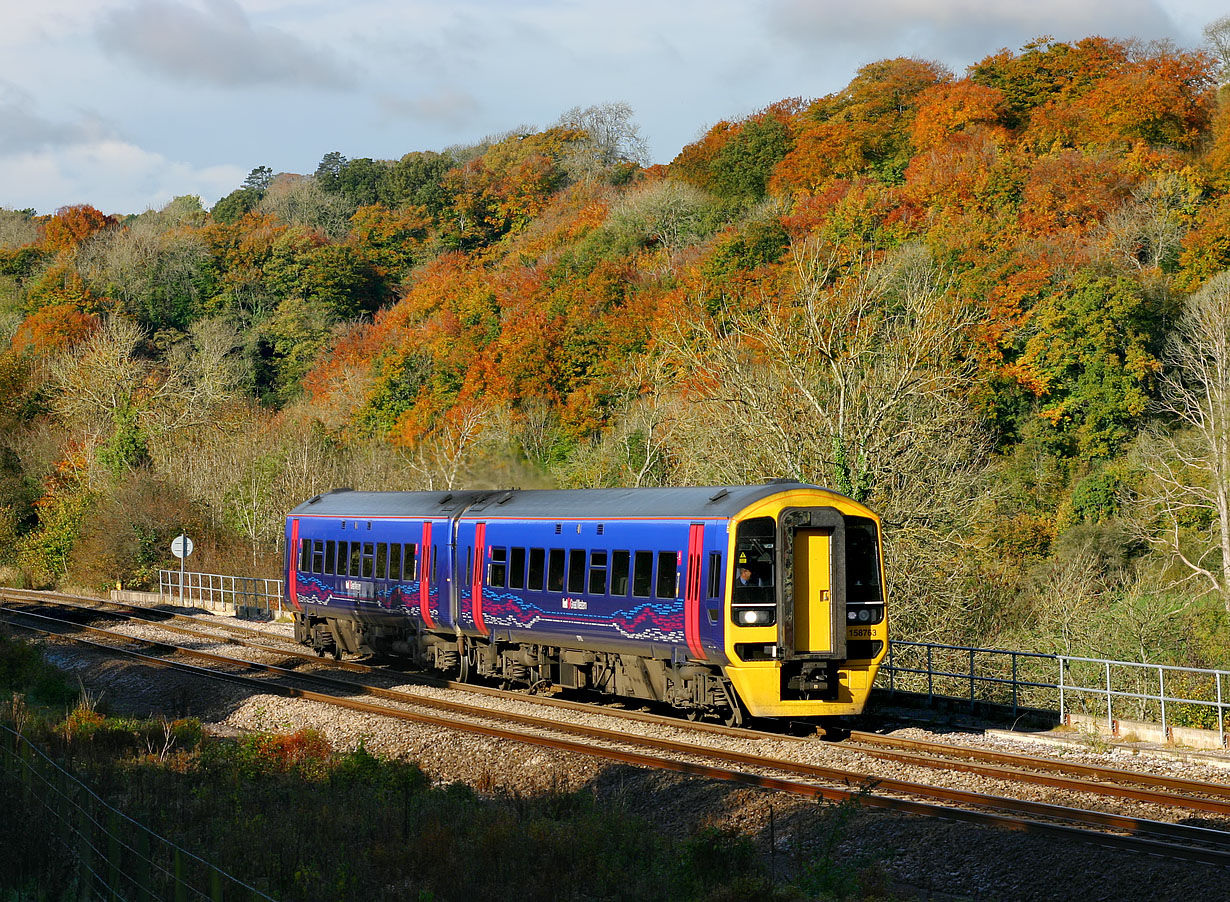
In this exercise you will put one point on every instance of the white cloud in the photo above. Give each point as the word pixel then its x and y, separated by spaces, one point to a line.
pixel 112 175
pixel 217 45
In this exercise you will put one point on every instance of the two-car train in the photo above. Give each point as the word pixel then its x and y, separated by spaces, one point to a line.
pixel 729 601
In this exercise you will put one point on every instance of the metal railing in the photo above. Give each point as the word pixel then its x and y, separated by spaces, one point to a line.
pixel 102 853
pixel 1114 690
pixel 249 595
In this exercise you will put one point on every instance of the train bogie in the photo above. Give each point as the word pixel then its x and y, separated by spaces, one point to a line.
pixel 761 600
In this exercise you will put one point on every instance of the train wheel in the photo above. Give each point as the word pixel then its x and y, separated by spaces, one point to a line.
pixel 734 717
pixel 694 714
pixel 465 669
pixel 337 653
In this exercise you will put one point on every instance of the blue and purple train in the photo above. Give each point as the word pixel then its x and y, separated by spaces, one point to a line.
pixel 734 601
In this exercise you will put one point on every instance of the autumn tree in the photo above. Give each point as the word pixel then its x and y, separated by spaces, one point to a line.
pixel 856 380
pixel 612 138
pixel 1182 504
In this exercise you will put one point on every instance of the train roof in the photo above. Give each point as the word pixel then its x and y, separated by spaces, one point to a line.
pixel 570 504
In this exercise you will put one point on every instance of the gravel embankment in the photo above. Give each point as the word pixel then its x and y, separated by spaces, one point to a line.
pixel 920 858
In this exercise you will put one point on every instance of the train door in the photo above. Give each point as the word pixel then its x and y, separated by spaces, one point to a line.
pixel 813 591
pixel 692 590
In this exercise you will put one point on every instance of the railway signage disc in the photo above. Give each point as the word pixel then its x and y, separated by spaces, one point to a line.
pixel 181 546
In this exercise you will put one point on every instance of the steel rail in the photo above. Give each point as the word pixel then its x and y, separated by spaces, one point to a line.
pixel 1172 840
pixel 1182 793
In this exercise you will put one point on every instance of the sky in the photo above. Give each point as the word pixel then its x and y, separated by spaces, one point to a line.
pixel 126 104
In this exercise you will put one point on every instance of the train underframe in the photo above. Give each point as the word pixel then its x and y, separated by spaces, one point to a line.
pixel 696 690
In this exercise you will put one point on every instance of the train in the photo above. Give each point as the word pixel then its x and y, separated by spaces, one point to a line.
pixel 721 602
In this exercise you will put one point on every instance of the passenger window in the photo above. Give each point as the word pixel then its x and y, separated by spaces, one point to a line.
pixel 343 558
pixel 409 566
pixel 369 552
pixel 497 570
pixel 330 556
pixel 555 570
pixel 620 565
pixel 668 574
pixel 305 555
pixel 395 561
pixel 715 574
pixel 597 573
pixel 538 567
pixel 516 568
pixel 318 556
pixel 382 560
pixel 576 571
pixel 356 558
pixel 642 574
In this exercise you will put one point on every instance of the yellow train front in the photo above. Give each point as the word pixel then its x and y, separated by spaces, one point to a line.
pixel 763 600
pixel 805 627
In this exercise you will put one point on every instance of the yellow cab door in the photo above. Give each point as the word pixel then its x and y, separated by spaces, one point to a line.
pixel 813 595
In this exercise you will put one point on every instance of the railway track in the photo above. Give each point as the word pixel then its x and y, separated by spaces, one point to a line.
pixel 808 780
pixel 1050 772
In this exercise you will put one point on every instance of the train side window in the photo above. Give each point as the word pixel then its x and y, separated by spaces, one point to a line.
pixel 305 554
pixel 318 556
pixel 715 574
pixel 576 571
pixel 597 573
pixel 356 558
pixel 642 573
pixel 382 560
pixel 555 570
pixel 369 552
pixel 435 563
pixel 330 556
pixel 409 564
pixel 497 570
pixel 668 574
pixel 620 566
pixel 395 561
pixel 343 559
pixel 516 568
pixel 538 568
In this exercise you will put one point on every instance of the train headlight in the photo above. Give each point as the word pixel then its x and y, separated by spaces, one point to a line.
pixel 752 618
pixel 864 615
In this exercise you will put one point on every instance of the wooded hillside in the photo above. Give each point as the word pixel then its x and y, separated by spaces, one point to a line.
pixel 994 306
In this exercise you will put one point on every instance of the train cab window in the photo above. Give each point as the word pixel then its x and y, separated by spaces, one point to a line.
pixel 576 571
pixel 408 563
pixel 497 570
pixel 597 573
pixel 862 561
pixel 382 560
pixel 538 568
pixel 305 554
pixel 642 574
pixel 555 570
pixel 369 554
pixel 753 601
pixel 668 574
pixel 318 556
pixel 395 561
pixel 715 574
pixel 621 562
pixel 330 556
pixel 516 568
